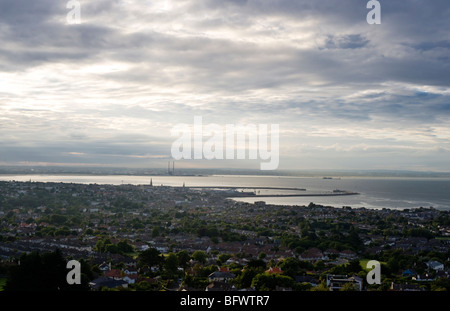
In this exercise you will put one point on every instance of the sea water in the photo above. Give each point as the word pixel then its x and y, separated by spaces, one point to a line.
pixel 374 192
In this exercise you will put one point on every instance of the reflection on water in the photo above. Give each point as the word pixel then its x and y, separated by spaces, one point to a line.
pixel 375 192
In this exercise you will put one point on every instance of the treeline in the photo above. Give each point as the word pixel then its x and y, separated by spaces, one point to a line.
pixel 204 229
pixel 44 272
pixel 340 236
pixel 106 246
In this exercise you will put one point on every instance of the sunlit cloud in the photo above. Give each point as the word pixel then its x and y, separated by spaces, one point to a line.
pixel 109 90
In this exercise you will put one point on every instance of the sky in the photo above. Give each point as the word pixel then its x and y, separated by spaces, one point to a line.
pixel 107 91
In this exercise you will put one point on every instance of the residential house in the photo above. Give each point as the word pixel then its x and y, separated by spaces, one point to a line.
pixel 115 274
pixel 406 287
pixel 105 267
pixel 409 273
pixel 219 286
pixel 331 252
pixel 307 279
pixel 140 246
pixel 131 278
pixel 375 250
pixel 435 265
pixel 221 276
pixel 313 254
pixel 130 271
pixel 348 254
pixel 104 281
pixel 274 270
pixel 337 282
pixel 282 289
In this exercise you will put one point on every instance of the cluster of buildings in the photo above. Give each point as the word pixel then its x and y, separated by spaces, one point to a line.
pixel 75 217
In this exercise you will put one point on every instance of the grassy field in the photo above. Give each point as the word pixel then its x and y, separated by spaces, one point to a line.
pixel 363 263
pixel 445 238
pixel 2 284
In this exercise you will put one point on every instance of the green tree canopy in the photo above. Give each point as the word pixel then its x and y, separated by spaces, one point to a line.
pixel 171 263
pixel 200 256
pixel 266 281
pixel 183 258
pixel 150 257
pixel 42 272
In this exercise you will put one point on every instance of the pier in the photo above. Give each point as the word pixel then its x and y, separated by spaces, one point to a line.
pixel 254 195
pixel 328 194
pixel 234 187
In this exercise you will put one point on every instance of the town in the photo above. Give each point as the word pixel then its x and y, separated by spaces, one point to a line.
pixel 160 238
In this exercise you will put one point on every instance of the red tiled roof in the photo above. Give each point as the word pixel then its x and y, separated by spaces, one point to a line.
pixel 274 270
pixel 114 273
pixel 312 253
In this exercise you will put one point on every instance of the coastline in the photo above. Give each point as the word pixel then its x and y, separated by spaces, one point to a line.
pixel 373 193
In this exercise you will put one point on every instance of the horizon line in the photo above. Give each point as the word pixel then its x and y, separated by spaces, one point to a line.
pixel 30 168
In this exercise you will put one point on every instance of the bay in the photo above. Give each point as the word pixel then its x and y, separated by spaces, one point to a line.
pixel 374 192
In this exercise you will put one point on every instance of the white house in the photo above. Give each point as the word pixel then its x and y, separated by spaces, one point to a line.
pixel 337 282
pixel 130 271
pixel 435 265
pixel 130 279
pixel 105 267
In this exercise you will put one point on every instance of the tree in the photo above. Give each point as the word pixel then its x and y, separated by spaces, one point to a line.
pixel 145 286
pixel 224 257
pixel 290 267
pixel 171 264
pixel 124 247
pixel 57 219
pixel 262 255
pixel 183 258
pixel 156 232
pixel 256 263
pixel 150 257
pixel 244 280
pixel 266 281
pixel 46 272
pixel 354 266
pixel 319 265
pixel 441 284
pixel 200 256
pixel 195 282
pixel 349 287
pixel 322 287
pixel 111 248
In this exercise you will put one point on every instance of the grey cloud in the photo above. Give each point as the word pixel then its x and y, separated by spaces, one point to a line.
pixel 114 151
pixel 426 46
pixel 267 74
pixel 348 10
pixel 23 13
pixel 346 42
pixel 216 62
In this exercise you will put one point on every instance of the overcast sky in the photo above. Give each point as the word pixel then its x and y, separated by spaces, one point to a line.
pixel 108 91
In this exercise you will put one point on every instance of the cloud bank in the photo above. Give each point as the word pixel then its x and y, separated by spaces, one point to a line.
pixel 107 91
